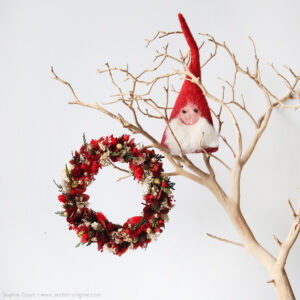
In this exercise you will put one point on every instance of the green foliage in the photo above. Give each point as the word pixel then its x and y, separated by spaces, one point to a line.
pixel 140 223
pixel 84 142
pixel 69 175
pixel 154 223
pixel 79 244
pixel 159 157
pixel 171 185
pixel 58 185
pixel 115 154
pixel 60 213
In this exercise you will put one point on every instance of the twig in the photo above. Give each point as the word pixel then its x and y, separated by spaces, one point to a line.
pixel 116 167
pixel 160 34
pixel 277 240
pixel 292 209
pixel 123 177
pixel 224 240
pixel 66 83
pixel 221 161
pixel 288 243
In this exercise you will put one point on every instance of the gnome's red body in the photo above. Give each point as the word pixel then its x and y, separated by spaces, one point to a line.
pixel 191 120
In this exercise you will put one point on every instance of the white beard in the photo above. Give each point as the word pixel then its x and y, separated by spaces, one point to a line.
pixel 192 138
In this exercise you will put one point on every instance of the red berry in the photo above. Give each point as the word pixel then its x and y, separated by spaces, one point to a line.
pixel 95 145
pixel 85 197
pixel 164 184
pixel 114 141
pixel 62 198
pixel 95 168
pixel 160 222
pixel 127 231
pixel 138 172
pixel 126 137
pixel 84 238
pixel 80 191
pixel 76 172
pixel 84 166
pixel 73 193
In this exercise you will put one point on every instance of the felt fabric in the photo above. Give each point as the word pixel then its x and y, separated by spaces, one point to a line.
pixel 190 137
pixel 190 107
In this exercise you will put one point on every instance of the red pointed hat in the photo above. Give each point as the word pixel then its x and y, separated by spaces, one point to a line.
pixel 190 92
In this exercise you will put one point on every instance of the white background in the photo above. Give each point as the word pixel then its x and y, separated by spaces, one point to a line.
pixel 39 130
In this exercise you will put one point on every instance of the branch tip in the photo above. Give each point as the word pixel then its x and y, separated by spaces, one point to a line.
pixel 271 281
pixel 277 240
pixel 292 209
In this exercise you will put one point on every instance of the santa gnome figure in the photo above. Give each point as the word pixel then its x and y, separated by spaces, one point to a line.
pixel 191 120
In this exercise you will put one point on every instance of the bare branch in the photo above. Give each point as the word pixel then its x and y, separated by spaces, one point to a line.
pixel 256 74
pixel 288 243
pixel 277 240
pixel 212 54
pixel 292 209
pixel 221 161
pixel 138 101
pixel 281 76
pixel 243 108
pixel 228 145
pixel 116 167
pixel 170 174
pixel 160 34
pixel 66 83
pixel 224 240
pixel 123 177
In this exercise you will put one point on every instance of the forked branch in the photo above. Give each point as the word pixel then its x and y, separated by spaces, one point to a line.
pixel 137 99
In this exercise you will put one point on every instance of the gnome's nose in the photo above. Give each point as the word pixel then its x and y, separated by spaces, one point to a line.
pixel 189 115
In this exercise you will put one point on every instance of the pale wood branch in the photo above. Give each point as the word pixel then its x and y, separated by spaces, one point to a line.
pixel 123 177
pixel 287 244
pixel 139 102
pixel 292 209
pixel 118 168
pixel 225 240
pixel 160 34
pixel 277 240
pixel 220 161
